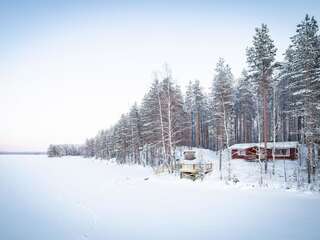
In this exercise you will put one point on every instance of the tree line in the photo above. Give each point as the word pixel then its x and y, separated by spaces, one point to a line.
pixel 271 101
pixel 60 150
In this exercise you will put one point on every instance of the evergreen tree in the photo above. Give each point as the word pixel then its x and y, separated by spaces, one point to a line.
pixel 261 57
pixel 136 135
pixel 303 70
pixel 244 110
pixel 195 105
pixel 222 95
pixel 152 125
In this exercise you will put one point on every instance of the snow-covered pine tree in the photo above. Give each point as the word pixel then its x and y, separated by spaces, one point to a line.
pixel 100 145
pixel 172 106
pixel 222 94
pixel 152 125
pixel 178 116
pixel 51 152
pixel 275 113
pixel 260 58
pixel 122 139
pixel 89 147
pixel 136 136
pixel 244 110
pixel 305 83
pixel 205 121
pixel 199 110
pixel 197 115
pixel 285 99
pixel 189 131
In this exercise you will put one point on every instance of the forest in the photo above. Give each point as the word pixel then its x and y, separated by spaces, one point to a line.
pixel 271 101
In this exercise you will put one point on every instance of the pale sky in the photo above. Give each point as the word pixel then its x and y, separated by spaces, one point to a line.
pixel 69 69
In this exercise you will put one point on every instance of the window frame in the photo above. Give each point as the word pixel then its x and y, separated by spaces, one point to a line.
pixel 280 152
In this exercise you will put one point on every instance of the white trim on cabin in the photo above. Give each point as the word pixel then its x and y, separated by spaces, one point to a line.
pixel 278 145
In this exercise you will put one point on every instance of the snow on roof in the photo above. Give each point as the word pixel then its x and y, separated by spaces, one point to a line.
pixel 185 151
pixel 243 145
pixel 282 145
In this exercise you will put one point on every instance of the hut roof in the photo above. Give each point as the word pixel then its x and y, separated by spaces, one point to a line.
pixel 282 145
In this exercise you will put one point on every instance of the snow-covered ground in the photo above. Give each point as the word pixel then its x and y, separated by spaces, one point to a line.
pixel 248 173
pixel 77 198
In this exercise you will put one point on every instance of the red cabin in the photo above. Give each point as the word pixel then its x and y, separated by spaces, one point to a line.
pixel 250 151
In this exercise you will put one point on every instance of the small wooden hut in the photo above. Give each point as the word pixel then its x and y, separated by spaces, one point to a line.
pixel 194 166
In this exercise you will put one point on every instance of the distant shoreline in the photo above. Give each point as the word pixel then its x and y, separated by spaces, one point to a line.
pixel 23 153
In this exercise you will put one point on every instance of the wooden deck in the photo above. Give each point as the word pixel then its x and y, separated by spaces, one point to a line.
pixel 195 170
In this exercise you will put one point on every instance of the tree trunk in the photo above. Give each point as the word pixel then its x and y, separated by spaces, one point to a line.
pixel 227 137
pixel 259 145
pixel 162 128
pixel 309 161
pixel 198 130
pixel 274 132
pixel 265 128
pixel 170 132
pixel 220 164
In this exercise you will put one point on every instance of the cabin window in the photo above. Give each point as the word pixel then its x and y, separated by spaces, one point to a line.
pixel 242 152
pixel 282 152
pixel 189 155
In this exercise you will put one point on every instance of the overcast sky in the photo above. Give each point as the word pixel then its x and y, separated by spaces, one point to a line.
pixel 68 69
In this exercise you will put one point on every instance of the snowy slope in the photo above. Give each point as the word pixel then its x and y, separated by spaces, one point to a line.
pixel 77 198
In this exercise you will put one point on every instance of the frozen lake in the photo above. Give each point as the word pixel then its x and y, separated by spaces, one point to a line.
pixel 77 198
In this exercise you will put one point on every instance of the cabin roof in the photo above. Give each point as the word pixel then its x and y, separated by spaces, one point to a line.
pixel 243 145
pixel 282 145
pixel 187 151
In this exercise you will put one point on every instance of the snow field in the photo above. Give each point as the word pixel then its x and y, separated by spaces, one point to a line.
pixel 77 198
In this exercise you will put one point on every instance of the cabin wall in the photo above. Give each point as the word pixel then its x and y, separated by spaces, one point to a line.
pixel 292 155
pixel 251 154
